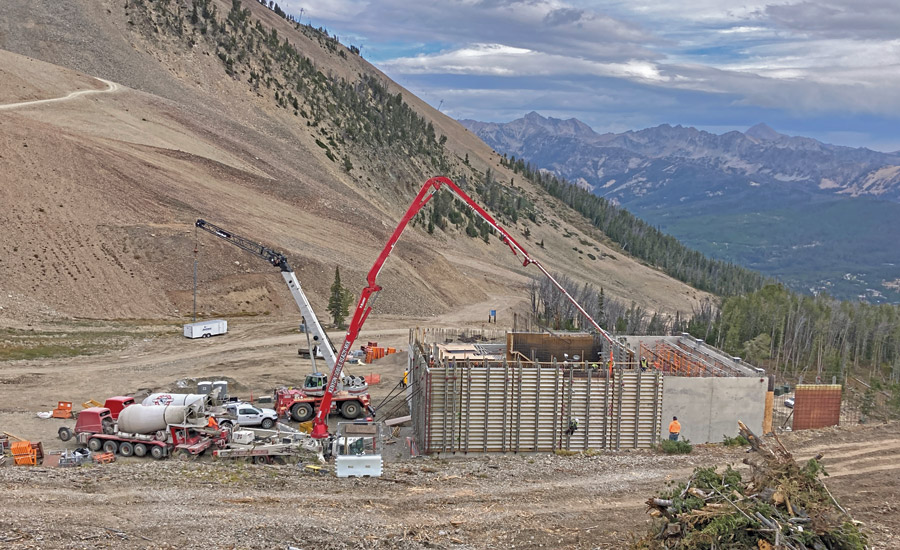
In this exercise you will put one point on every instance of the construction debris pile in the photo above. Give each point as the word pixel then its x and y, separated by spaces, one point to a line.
pixel 784 505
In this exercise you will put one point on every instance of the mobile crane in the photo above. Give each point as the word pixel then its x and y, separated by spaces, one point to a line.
pixel 369 293
pixel 352 398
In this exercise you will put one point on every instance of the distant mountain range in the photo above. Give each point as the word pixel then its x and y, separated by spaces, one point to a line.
pixel 820 217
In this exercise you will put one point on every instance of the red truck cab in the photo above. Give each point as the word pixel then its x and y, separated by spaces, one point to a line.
pixel 116 404
pixel 95 420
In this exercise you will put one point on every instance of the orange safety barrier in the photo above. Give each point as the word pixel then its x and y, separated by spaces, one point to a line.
pixel 374 353
pixel 26 453
pixel 63 410
pixel 372 379
pixel 104 458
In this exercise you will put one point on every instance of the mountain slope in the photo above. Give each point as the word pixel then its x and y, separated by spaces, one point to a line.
pixel 103 189
pixel 760 199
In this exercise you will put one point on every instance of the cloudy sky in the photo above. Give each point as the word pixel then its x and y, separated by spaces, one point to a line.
pixel 828 69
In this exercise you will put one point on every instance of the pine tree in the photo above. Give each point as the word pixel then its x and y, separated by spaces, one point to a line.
pixel 338 306
pixel 601 308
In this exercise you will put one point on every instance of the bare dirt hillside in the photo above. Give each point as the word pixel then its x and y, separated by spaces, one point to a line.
pixel 101 189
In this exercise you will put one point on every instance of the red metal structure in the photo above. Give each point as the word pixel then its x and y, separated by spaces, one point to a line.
pixel 363 307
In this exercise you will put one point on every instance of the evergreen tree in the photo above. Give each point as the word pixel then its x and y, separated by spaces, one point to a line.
pixel 338 305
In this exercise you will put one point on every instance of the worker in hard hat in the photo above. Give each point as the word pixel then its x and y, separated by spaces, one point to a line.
pixel 405 381
pixel 212 423
pixel 573 425
pixel 674 429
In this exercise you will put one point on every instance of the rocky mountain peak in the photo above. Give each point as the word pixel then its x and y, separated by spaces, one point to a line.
pixel 763 132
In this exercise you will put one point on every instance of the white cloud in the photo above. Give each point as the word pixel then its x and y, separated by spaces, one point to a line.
pixel 500 60
pixel 796 57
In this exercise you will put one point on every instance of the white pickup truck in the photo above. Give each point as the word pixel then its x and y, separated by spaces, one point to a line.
pixel 245 414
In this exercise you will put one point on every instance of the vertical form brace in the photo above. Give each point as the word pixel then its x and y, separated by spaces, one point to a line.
pixel 620 382
pixel 657 395
pixel 607 411
pixel 429 405
pixel 453 398
pixel 569 405
pixel 506 415
pixel 468 425
pixel 519 407
pixel 587 409
pixel 637 410
pixel 557 410
pixel 487 404
pixel 537 408
pixel 446 406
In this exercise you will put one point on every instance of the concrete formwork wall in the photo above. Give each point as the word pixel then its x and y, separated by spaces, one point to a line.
pixel 511 407
pixel 544 348
pixel 709 408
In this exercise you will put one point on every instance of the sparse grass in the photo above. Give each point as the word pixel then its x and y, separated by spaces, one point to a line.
pixel 12 352
pixel 73 341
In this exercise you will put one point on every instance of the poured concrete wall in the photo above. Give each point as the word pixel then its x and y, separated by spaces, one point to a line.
pixel 709 408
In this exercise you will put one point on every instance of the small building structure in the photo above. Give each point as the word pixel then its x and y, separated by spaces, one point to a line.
pixel 540 392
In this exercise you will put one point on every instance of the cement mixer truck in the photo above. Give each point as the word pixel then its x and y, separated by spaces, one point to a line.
pixel 157 430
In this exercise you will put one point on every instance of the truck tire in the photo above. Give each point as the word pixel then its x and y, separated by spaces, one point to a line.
pixel 351 409
pixel 65 433
pixel 260 459
pixel 301 412
pixel 157 452
pixel 95 444
pixel 110 446
pixel 267 423
pixel 140 449
pixel 126 448
pixel 184 455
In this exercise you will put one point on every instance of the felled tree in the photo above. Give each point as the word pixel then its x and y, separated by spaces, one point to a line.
pixel 782 505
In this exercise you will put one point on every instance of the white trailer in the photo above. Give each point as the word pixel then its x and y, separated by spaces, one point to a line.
pixel 205 329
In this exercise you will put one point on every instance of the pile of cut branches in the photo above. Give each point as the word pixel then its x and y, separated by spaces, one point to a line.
pixel 784 505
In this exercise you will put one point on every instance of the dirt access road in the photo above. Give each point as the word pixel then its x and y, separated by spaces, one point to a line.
pixel 539 501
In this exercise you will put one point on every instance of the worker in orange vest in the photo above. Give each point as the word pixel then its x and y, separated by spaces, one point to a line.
pixel 674 428
pixel 212 423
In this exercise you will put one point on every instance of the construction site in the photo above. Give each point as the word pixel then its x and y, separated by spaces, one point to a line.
pixel 418 424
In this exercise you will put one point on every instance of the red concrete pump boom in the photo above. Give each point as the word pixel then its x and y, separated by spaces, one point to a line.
pixel 363 307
